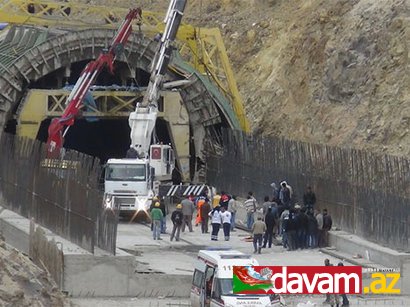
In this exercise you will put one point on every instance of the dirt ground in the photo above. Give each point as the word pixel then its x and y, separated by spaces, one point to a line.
pixel 331 72
pixel 23 284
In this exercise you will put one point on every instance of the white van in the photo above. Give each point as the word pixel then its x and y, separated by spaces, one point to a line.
pixel 213 278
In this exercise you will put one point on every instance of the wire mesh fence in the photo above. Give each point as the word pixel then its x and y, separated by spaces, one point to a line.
pixel 61 195
pixel 366 194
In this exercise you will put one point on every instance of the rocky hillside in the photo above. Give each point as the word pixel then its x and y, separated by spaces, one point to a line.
pixel 333 72
pixel 23 284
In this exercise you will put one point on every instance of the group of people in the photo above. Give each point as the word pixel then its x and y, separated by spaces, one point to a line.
pixel 300 226
pixel 220 213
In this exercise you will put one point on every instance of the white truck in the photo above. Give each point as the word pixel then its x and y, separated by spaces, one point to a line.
pixel 213 278
pixel 150 164
pixel 131 183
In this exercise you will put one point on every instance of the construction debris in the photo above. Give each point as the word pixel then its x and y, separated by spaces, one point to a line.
pixel 22 283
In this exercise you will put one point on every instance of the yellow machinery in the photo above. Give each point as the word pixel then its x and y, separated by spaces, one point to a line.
pixel 202 48
pixel 42 104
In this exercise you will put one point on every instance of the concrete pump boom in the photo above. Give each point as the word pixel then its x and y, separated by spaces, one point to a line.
pixel 59 126
pixel 142 121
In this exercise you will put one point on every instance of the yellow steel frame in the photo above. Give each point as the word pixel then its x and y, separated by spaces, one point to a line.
pixel 203 48
pixel 107 103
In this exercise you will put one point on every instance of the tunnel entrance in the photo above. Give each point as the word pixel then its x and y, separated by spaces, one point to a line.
pixel 105 138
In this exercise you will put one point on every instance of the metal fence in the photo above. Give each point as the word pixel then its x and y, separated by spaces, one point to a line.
pixel 366 194
pixel 61 195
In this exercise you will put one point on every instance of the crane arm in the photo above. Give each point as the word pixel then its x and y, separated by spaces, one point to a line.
pixel 59 126
pixel 142 121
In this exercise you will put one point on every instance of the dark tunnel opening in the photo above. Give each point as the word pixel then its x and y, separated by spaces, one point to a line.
pixel 105 138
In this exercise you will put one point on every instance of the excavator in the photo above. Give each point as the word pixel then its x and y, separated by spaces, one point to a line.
pixel 130 183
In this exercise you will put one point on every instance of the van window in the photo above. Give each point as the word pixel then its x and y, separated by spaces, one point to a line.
pixel 216 294
pixel 198 278
pixel 223 286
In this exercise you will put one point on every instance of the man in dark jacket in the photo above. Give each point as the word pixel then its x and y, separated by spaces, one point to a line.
pixel 285 195
pixel 177 218
pixel 266 204
pixel 292 227
pixel 302 227
pixel 205 209
pixel 270 221
pixel 309 198
pixel 164 216
pixel 312 226
pixel 345 300
pixel 327 225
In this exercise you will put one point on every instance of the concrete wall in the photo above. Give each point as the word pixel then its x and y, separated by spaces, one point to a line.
pixel 107 275
pixel 353 245
pixel 46 252
pixel 99 274
pixel 15 229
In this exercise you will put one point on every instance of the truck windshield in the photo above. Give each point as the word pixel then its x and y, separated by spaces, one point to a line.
pixel 125 172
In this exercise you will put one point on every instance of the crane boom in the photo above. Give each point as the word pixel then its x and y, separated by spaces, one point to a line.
pixel 142 120
pixel 59 126
pixel 147 167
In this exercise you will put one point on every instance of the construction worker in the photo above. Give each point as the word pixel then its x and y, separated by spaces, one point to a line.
pixel 199 205
pixel 155 199
pixel 156 217
pixel 177 217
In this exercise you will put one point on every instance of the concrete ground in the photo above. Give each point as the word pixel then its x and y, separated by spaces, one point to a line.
pixel 178 258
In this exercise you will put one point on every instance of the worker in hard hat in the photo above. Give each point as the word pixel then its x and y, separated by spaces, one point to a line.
pixel 177 217
pixel 156 217
pixel 153 202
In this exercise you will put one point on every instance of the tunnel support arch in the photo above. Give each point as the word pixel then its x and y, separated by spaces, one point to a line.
pixel 206 109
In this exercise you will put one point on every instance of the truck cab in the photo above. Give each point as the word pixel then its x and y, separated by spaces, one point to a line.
pixel 162 159
pixel 213 278
pixel 129 182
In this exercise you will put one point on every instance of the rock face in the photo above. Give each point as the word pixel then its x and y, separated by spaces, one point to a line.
pixel 24 284
pixel 334 72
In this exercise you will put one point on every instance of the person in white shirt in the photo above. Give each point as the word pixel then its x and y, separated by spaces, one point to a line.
pixel 226 222
pixel 215 222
